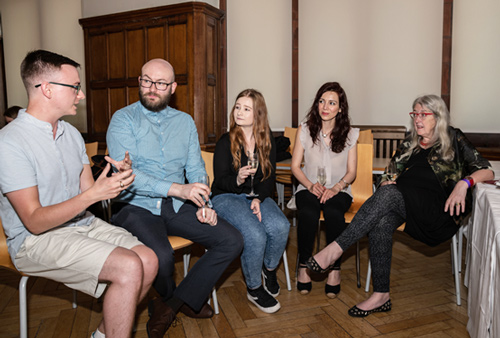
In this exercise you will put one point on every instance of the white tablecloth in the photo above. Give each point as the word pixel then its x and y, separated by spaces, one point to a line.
pixel 483 266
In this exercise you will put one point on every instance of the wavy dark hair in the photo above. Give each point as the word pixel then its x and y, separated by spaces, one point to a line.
pixel 342 126
pixel 260 132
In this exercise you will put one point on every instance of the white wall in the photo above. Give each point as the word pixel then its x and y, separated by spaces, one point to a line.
pixel 48 24
pixel 384 53
pixel 475 76
pixel 259 54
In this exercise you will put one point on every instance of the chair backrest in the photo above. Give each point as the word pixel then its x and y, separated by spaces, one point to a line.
pixel 362 187
pixel 365 136
pixel 386 139
pixel 5 260
pixel 290 133
pixel 91 151
pixel 209 163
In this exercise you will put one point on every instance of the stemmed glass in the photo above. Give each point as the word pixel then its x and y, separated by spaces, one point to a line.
pixel 205 179
pixel 321 176
pixel 253 161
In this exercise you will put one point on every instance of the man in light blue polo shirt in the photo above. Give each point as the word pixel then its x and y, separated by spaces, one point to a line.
pixel 165 151
pixel 46 186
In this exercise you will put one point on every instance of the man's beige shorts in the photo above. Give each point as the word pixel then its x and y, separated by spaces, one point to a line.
pixel 74 255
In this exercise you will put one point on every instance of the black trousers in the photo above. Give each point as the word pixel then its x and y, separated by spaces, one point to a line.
pixel 309 210
pixel 223 243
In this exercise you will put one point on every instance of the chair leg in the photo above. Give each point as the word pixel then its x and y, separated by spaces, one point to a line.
pixel 460 246
pixel 454 255
pixel 368 277
pixel 358 277
pixel 216 302
pixel 318 235
pixel 287 272
pixel 23 308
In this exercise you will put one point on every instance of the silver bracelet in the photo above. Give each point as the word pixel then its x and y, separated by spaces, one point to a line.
pixel 346 184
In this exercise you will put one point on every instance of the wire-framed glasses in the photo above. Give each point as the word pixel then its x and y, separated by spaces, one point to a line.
pixel 423 114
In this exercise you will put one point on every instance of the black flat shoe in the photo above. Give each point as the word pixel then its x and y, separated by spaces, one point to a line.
pixel 304 288
pixel 314 266
pixel 332 291
pixel 357 312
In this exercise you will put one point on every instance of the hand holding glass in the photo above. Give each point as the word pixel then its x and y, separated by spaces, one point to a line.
pixel 253 162
pixel 205 179
pixel 321 176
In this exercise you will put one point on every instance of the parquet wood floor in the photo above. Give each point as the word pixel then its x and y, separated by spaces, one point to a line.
pixel 422 293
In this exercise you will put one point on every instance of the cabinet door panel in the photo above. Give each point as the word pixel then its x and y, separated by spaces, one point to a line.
pixel 156 42
pixel 135 52
pixel 116 43
pixel 100 110
pixel 98 59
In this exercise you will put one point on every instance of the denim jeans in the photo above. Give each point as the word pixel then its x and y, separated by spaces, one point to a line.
pixel 264 242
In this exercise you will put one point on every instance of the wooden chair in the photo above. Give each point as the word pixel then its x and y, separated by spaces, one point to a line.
pixel 361 188
pixel 284 177
pixel 209 158
pixel 455 268
pixel 6 263
pixel 92 149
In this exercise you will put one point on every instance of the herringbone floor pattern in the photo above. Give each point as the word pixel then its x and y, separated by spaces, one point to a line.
pixel 422 292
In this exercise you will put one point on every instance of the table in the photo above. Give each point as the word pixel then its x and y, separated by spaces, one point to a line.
pixel 483 262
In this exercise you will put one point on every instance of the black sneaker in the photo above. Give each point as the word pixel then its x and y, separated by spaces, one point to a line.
pixel 263 300
pixel 271 282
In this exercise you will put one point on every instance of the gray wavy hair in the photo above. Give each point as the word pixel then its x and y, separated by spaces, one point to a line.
pixel 437 106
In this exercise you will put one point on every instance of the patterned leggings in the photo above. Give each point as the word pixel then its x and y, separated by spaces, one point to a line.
pixel 378 218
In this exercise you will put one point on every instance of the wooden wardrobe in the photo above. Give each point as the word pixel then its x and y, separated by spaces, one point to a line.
pixel 188 35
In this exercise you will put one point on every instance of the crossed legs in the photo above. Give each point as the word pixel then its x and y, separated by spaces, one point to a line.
pixel 378 218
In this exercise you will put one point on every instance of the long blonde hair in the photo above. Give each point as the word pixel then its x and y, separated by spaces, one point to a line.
pixel 437 106
pixel 260 132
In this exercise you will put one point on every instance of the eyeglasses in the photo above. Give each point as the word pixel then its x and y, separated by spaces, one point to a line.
pixel 423 114
pixel 159 85
pixel 77 87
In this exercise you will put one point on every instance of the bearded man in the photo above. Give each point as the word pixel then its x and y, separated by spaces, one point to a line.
pixel 165 152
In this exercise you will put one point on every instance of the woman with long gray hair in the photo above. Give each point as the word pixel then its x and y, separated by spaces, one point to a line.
pixel 427 184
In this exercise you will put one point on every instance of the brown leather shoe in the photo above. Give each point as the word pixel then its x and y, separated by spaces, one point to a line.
pixel 161 317
pixel 205 312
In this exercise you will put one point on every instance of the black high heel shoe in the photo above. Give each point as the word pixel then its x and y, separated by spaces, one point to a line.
pixel 304 288
pixel 314 266
pixel 332 291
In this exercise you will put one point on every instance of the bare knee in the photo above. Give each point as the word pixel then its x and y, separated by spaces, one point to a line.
pixel 123 267
pixel 149 261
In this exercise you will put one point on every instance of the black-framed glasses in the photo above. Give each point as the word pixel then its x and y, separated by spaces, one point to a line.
pixel 159 85
pixel 75 87
pixel 423 114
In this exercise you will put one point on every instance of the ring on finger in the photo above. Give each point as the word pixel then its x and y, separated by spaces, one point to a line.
pixel 121 184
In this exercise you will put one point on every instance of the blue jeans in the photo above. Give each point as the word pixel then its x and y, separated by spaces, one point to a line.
pixel 264 242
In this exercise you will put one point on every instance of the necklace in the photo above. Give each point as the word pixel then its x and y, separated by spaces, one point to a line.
pixel 323 134
pixel 423 144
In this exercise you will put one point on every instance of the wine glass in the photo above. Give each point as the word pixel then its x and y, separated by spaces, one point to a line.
pixel 392 172
pixel 253 162
pixel 321 176
pixel 205 179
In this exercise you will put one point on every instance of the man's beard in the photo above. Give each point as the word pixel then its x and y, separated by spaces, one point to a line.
pixel 155 107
